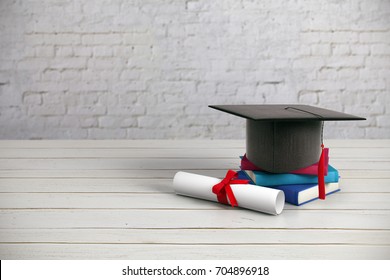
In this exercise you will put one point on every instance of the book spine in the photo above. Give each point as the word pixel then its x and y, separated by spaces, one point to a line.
pixel 291 179
pixel 291 196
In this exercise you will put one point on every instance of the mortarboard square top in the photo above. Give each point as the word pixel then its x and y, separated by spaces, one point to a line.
pixel 284 112
pixel 282 138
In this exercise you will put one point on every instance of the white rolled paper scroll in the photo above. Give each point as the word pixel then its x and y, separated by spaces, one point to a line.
pixel 248 196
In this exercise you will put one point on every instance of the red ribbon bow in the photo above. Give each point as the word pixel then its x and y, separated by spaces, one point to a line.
pixel 224 191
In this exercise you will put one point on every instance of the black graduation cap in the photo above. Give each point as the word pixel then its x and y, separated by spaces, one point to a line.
pixel 282 138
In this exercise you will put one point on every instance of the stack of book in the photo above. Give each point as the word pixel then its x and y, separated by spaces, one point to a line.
pixel 299 186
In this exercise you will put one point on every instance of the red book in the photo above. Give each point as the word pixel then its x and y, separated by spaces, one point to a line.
pixel 309 170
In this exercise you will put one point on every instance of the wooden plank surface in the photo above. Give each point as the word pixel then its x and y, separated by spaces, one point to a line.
pixel 339 201
pixel 169 153
pixel 160 164
pixel 175 251
pixel 114 200
pixel 160 174
pixel 203 236
pixel 163 144
pixel 223 217
pixel 150 185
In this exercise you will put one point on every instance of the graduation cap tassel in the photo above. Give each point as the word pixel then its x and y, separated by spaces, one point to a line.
pixel 321 169
pixel 321 174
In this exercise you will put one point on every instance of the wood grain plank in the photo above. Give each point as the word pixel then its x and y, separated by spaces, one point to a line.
pixel 115 164
pixel 159 164
pixel 338 201
pixel 117 174
pixel 216 252
pixel 144 143
pixel 233 153
pixel 195 236
pixel 161 174
pixel 166 218
pixel 114 185
pixel 87 185
pixel 370 185
pixel 125 153
pixel 160 144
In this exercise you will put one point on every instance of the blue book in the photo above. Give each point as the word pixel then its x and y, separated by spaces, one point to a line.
pixel 300 193
pixel 277 179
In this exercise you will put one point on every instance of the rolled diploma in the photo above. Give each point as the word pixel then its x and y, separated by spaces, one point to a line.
pixel 248 196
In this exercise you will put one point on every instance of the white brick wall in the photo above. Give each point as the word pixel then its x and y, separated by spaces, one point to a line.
pixel 149 68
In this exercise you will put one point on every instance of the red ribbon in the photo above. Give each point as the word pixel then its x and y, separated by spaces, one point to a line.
pixel 224 191
pixel 321 175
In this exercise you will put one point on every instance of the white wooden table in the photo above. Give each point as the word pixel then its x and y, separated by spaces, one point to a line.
pixel 114 200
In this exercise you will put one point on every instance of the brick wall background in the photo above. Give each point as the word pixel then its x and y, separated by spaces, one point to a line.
pixel 149 68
